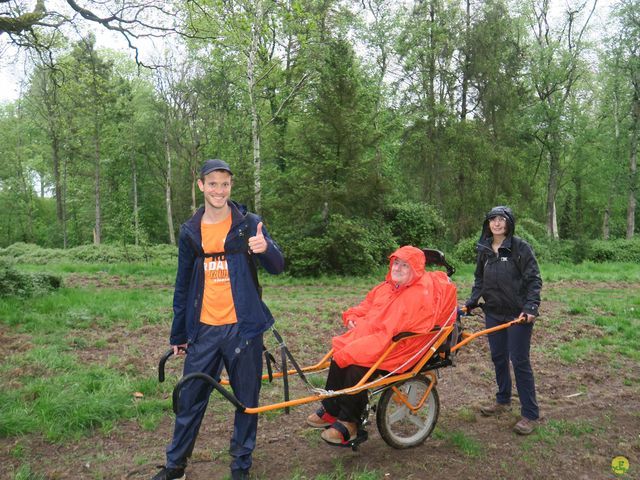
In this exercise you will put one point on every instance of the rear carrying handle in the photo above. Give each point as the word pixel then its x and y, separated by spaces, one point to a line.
pixel 203 376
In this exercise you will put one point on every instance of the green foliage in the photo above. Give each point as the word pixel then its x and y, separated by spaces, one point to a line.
pixel 558 251
pixel 104 253
pixel 465 250
pixel 417 224
pixel 461 130
pixel 13 282
pixel 343 247
pixel 615 251
pixel 536 244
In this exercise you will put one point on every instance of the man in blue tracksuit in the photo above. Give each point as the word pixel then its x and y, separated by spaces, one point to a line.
pixel 219 317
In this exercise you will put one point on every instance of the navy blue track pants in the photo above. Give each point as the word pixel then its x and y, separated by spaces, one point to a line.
pixel 513 344
pixel 215 347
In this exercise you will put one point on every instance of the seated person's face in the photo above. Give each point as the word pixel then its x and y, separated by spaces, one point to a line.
pixel 401 272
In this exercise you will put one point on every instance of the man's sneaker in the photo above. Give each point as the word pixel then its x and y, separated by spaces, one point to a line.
pixel 239 474
pixel 170 474
pixel 495 409
pixel 525 426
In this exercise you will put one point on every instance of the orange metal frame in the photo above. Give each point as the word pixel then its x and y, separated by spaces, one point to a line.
pixel 365 383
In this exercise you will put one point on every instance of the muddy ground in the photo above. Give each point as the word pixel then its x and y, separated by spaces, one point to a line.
pixel 592 415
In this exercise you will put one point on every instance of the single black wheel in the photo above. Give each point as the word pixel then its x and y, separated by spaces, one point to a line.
pixel 398 425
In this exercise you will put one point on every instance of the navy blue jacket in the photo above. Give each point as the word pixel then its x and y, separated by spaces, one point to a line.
pixel 253 315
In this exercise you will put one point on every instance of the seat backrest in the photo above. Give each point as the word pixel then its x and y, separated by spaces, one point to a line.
pixel 436 257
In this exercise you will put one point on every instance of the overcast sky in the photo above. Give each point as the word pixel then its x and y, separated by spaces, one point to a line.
pixel 13 67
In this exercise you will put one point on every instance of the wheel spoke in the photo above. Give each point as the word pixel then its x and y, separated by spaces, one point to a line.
pixel 398 415
pixel 416 420
pixel 399 425
pixel 413 395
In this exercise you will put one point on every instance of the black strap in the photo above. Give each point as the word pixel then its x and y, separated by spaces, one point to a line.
pixel 343 430
pixel 269 360
pixel 285 349
pixel 248 255
pixel 285 376
pixel 284 354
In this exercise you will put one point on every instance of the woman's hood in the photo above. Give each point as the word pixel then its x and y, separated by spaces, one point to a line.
pixel 502 211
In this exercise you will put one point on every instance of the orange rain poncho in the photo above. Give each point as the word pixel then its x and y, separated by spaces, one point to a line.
pixel 428 299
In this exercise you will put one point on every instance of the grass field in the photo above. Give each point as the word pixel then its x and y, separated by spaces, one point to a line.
pixel 79 396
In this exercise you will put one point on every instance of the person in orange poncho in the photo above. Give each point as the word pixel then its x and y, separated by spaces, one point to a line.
pixel 409 300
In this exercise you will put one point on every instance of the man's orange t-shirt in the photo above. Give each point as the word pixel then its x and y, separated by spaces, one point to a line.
pixel 217 302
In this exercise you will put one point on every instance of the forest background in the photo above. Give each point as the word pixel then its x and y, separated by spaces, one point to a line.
pixel 351 126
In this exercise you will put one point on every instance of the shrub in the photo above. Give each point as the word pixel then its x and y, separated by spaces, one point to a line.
pixel 305 256
pixel 536 229
pixel 105 253
pixel 465 251
pixel 13 282
pixel 342 247
pixel 417 224
pixel 536 244
pixel 619 250
pixel 557 251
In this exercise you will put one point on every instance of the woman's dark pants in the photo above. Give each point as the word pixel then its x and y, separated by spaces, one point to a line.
pixel 513 344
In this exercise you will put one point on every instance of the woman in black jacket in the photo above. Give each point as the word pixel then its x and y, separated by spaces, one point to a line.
pixel 507 278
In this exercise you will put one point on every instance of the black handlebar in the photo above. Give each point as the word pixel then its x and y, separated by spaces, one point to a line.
pixel 163 360
pixel 203 376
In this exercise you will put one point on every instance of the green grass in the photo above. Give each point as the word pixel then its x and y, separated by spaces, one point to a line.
pixel 66 402
pixel 609 319
pixel 463 442
pixel 591 272
pixel 48 387
pixel 554 432
pixel 25 473
pixel 339 473
pixel 69 309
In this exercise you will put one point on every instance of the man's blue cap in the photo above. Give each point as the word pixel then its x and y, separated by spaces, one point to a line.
pixel 213 165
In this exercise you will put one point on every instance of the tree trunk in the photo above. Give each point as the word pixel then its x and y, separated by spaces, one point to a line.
pixel 194 180
pixel 633 158
pixel 65 239
pixel 552 191
pixel 136 216
pixel 55 156
pixel 255 133
pixel 465 67
pixel 167 189
pixel 431 92
pixel 97 232
pixel 605 220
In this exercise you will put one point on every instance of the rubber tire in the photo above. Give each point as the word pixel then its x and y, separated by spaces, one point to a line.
pixel 392 432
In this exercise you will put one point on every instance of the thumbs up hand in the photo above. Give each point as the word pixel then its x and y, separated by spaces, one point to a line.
pixel 258 244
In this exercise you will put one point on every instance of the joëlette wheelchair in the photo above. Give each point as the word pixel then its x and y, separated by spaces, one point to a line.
pixel 408 404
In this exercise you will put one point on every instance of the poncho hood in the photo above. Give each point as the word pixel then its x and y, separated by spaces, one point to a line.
pixel 414 257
